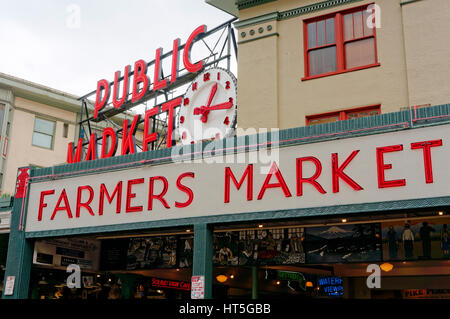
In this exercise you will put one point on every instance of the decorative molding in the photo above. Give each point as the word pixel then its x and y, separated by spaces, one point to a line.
pixel 408 2
pixel 258 38
pixel 295 12
pixel 244 4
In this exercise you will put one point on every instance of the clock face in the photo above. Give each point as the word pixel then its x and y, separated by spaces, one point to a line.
pixel 208 110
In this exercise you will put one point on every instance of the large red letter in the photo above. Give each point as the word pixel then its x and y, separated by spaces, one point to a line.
pixel 92 148
pixel 140 69
pixel 157 83
pixel 128 141
pixel 66 207
pixel 70 158
pixel 42 205
pixel 161 195
pixel 100 102
pixel 116 102
pixel 281 183
pixel 229 175
pixel 338 172
pixel 104 191
pixel 109 131
pixel 426 146
pixel 87 203
pixel 312 179
pixel 187 51
pixel 169 106
pixel 130 195
pixel 148 138
pixel 381 167
pixel 185 189
pixel 175 61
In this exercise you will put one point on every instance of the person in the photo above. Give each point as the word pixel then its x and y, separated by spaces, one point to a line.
pixel 114 292
pixel 425 234
pixel 296 244
pixel 225 255
pixel 408 241
pixel 445 239
pixel 392 240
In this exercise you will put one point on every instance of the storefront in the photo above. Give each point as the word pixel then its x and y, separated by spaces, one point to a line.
pixel 300 214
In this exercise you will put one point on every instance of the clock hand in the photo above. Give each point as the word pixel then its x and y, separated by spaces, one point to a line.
pixel 212 94
pixel 221 106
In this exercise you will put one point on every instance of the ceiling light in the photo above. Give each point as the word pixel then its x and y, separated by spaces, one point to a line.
pixel 221 278
pixel 386 267
pixel 309 284
pixel 260 226
pixel 231 276
pixel 344 220
pixel 441 213
pixel 278 282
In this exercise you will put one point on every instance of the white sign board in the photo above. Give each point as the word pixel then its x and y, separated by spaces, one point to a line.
pixel 9 285
pixel 198 287
pixel 356 170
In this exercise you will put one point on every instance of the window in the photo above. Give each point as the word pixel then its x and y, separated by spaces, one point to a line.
pixel 65 130
pixel 343 115
pixel 44 131
pixel 339 42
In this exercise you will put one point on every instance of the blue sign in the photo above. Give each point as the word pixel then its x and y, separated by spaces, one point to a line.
pixel 332 286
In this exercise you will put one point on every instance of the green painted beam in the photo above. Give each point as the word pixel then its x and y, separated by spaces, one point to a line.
pixel 203 256
pixel 20 256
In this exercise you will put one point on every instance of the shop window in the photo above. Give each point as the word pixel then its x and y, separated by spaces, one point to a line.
pixel 44 131
pixel 343 115
pixel 65 130
pixel 339 42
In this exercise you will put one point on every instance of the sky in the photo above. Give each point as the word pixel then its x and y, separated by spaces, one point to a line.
pixel 70 45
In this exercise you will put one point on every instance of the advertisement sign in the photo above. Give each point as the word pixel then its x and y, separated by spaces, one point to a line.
pixel 403 165
pixel 198 287
pixel 9 285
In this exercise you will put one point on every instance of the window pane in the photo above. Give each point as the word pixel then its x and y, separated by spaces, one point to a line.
pixel 322 60
pixel 348 26
pixel 321 33
pixel 325 119
pixel 42 140
pixel 368 18
pixel 330 31
pixel 311 35
pixel 2 109
pixel 358 24
pixel 44 126
pixel 360 53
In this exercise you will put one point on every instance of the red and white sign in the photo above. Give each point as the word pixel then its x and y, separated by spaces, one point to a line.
pixel 409 164
pixel 198 287
pixel 9 285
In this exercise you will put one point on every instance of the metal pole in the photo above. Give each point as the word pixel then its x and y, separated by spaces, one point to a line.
pixel 255 282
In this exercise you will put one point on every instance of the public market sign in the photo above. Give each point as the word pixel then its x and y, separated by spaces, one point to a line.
pixel 402 165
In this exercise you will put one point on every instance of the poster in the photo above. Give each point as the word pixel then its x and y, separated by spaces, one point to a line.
pixel 152 252
pixel 61 252
pixel 343 243
pixel 198 287
pixel 278 246
pixel 416 239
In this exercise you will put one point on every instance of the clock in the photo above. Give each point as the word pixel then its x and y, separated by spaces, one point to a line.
pixel 208 109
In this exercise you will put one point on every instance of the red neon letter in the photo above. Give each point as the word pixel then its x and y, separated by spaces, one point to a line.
pixel 77 158
pixel 104 191
pixel 148 138
pixel 116 102
pixel 161 195
pixel 157 84
pixel 281 183
pixel 42 205
pixel 381 167
pixel 338 172
pixel 99 104
pixel 66 207
pixel 130 195
pixel 86 204
pixel 175 61
pixel 312 179
pixel 169 106
pixel 187 51
pixel 109 131
pixel 185 189
pixel 92 148
pixel 128 141
pixel 229 175
pixel 426 146
pixel 140 69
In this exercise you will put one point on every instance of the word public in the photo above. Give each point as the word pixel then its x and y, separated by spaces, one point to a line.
pixel 141 86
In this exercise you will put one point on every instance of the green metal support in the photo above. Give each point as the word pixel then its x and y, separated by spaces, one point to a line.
pixel 203 255
pixel 20 255
pixel 255 282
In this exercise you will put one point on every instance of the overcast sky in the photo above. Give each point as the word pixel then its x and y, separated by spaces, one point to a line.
pixel 45 42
